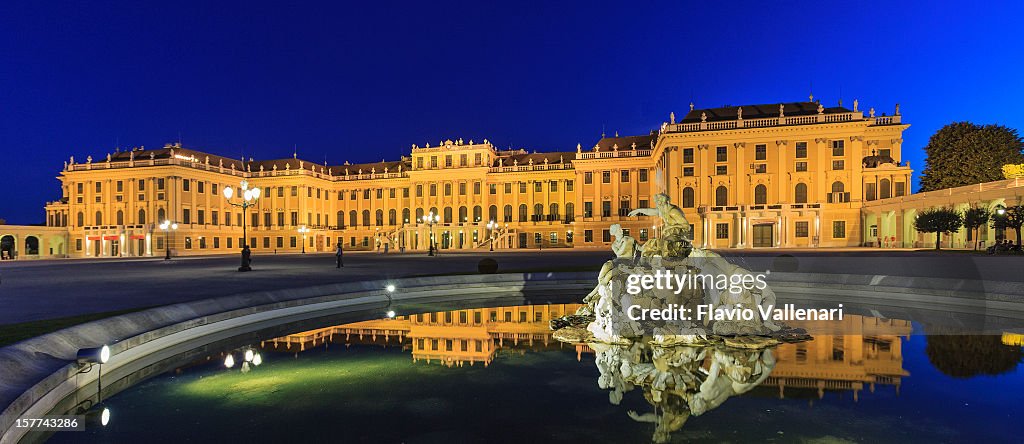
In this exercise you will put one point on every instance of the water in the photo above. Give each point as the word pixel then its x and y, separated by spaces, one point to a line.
pixel 888 385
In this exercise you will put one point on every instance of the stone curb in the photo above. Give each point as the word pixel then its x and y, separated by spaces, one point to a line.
pixel 34 367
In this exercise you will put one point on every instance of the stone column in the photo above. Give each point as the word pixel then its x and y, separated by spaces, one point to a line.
pixel 818 163
pixel 742 170
pixel 853 157
pixel 783 168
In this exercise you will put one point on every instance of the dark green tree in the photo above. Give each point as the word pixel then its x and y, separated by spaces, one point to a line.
pixel 963 153
pixel 938 221
pixel 966 356
pixel 974 219
pixel 1012 217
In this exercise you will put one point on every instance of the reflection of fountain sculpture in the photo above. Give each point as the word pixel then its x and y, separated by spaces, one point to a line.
pixel 679 381
pixel 684 365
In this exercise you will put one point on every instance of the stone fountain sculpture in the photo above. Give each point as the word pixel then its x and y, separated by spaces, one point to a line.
pixel 684 367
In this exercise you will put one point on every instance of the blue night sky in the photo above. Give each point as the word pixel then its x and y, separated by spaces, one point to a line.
pixel 364 81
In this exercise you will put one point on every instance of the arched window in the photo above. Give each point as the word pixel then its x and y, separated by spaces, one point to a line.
pixel 419 215
pixel 379 218
pixel 570 212
pixel 161 215
pixel 522 213
pixel 553 211
pixel 433 211
pixel 838 193
pixel 120 217
pixel 538 212
pixel 760 195
pixel 341 219
pixel 688 200
pixel 392 217
pixel 508 213
pixel 721 196
pixel 492 213
pixel 405 215
pixel 478 213
pixel 353 219
pixel 99 218
pixel 800 193
pixel 463 214
pixel 81 219
pixel 366 218
pixel 448 214
pixel 884 189
pixel 142 216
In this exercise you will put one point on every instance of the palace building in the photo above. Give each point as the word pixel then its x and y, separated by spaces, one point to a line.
pixel 777 175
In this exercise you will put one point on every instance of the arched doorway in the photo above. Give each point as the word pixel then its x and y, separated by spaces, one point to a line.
pixel 7 247
pixel 32 245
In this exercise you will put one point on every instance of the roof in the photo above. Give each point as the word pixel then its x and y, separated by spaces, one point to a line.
pixel 644 142
pixel 759 111
pixel 165 153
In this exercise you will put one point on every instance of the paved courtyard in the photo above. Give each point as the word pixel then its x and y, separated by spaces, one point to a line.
pixel 34 290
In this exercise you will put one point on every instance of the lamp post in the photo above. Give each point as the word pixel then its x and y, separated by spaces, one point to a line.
pixel 303 230
pixel 492 225
pixel 430 220
pixel 168 226
pixel 1000 222
pixel 249 197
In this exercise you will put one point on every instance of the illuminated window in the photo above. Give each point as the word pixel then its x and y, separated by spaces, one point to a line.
pixel 839 229
pixel 801 229
pixel 721 231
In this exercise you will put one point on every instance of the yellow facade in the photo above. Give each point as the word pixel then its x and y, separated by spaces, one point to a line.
pixel 889 223
pixel 452 338
pixel 798 179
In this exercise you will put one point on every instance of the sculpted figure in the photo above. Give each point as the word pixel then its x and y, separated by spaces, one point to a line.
pixel 624 247
pixel 674 241
pixel 732 373
pixel 673 218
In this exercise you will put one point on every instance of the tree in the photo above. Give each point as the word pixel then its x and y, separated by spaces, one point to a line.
pixel 963 153
pixel 974 218
pixel 966 356
pixel 1012 217
pixel 938 221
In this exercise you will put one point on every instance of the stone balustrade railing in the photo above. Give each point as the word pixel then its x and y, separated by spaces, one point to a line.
pixel 534 167
pixel 336 176
pixel 780 121
pixel 763 207
pixel 613 154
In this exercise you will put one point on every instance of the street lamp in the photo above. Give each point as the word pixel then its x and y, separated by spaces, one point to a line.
pixel 249 197
pixel 303 230
pixel 492 225
pixel 168 226
pixel 430 220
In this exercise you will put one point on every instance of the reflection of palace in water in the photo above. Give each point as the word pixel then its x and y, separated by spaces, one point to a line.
pixel 861 351
pixel 844 355
pixel 453 338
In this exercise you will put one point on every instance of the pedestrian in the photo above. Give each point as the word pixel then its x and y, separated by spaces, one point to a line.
pixel 338 255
